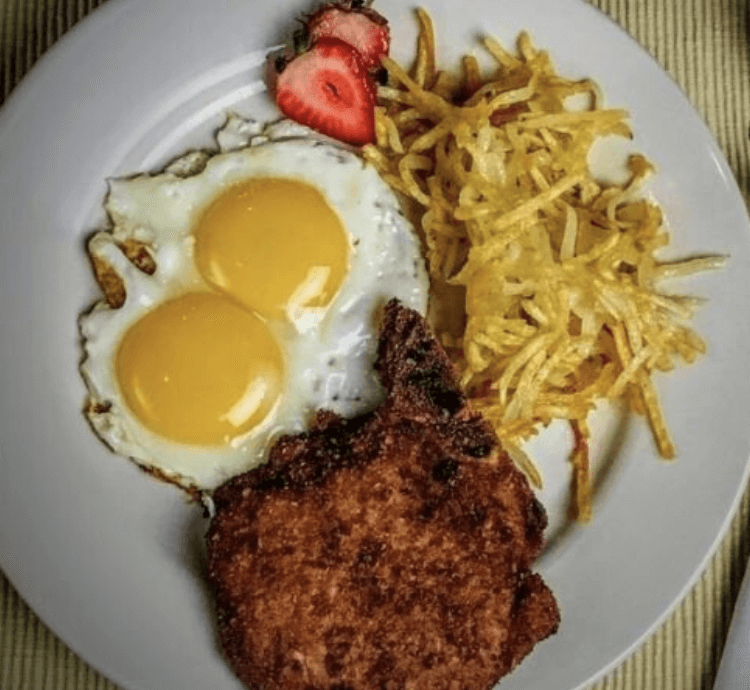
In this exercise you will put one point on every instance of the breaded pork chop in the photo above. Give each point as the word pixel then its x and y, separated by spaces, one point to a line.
pixel 384 552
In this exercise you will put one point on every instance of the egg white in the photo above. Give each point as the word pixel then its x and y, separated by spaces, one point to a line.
pixel 329 353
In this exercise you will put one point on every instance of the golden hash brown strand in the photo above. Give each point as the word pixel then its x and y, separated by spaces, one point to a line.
pixel 563 306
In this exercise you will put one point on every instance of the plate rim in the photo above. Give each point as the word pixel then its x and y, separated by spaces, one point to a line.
pixel 98 17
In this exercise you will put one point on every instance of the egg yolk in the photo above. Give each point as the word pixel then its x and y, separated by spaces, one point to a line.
pixel 274 244
pixel 200 369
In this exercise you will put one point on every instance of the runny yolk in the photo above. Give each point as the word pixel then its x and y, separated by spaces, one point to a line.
pixel 199 369
pixel 273 244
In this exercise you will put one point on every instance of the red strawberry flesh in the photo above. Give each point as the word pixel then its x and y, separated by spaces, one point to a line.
pixel 363 29
pixel 328 89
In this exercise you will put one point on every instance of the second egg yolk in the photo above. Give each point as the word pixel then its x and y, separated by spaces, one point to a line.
pixel 273 244
pixel 200 369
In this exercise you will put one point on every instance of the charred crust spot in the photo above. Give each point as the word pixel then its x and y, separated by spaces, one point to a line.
pixel 331 539
pixel 419 353
pixel 314 473
pixel 370 593
pixel 334 665
pixel 278 481
pixel 536 519
pixel 383 667
pixel 473 436
pixel 279 660
pixel 408 427
pixel 338 641
pixel 474 516
pixel 445 470
pixel 504 534
pixel 523 593
pixel 307 460
pixel 339 637
pixel 429 508
pixel 267 571
pixel 369 554
pixel 250 542
pixel 480 450
pixel 323 420
pixel 406 601
pixel 337 448
pixel 449 400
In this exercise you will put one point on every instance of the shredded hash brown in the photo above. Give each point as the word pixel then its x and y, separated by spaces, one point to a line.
pixel 562 300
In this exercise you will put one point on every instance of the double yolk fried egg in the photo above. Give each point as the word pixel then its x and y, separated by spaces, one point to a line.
pixel 251 304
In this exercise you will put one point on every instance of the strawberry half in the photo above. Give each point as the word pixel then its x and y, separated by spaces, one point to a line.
pixel 361 27
pixel 328 89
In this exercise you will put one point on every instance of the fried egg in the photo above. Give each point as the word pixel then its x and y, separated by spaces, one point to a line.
pixel 250 281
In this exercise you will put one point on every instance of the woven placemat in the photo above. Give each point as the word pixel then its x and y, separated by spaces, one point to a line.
pixel 705 45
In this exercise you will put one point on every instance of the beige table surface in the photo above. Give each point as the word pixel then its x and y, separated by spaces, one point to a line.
pixel 705 45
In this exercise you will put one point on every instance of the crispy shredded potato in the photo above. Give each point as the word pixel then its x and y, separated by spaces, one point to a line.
pixel 562 306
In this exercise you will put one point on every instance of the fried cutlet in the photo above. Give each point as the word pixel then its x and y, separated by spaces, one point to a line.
pixel 388 551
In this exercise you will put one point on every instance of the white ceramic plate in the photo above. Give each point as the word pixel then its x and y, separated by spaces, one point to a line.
pixel 112 560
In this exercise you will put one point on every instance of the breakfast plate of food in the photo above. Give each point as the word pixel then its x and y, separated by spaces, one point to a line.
pixel 354 346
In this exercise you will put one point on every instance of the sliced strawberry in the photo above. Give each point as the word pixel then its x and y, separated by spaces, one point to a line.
pixel 328 89
pixel 361 27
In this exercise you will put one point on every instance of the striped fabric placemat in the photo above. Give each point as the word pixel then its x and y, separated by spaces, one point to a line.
pixel 705 45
